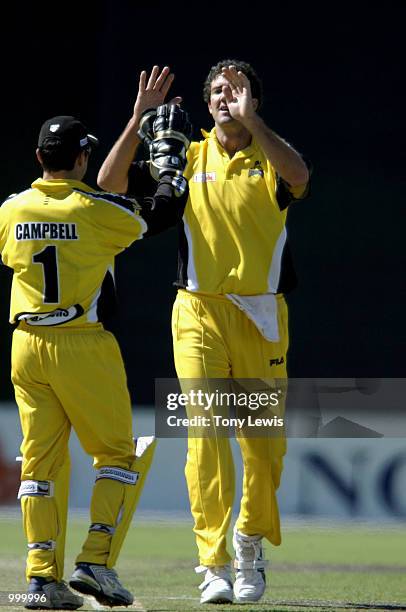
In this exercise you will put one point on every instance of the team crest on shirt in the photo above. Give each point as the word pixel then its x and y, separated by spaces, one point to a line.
pixel 204 177
pixel 256 170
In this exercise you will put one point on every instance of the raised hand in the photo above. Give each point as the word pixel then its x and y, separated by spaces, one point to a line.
pixel 152 92
pixel 238 94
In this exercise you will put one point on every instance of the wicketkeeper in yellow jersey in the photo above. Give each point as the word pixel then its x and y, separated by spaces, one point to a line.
pixel 230 316
pixel 60 237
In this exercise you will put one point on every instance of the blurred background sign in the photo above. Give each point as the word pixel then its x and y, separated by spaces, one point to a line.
pixel 331 478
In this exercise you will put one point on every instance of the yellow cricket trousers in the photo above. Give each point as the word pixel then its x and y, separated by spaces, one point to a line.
pixel 67 377
pixel 214 339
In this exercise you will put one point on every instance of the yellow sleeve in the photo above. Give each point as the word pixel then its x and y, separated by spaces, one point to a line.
pixel 117 220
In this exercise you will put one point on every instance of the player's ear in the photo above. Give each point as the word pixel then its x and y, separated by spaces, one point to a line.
pixel 38 154
pixel 255 103
pixel 209 107
pixel 82 158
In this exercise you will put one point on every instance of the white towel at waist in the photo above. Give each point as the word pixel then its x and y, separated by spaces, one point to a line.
pixel 262 310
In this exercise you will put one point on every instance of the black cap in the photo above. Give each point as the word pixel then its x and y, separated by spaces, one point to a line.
pixel 68 131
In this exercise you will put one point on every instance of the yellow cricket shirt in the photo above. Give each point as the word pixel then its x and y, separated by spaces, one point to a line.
pixel 60 238
pixel 234 237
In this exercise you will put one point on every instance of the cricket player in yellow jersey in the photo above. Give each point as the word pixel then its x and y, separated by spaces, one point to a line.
pixel 230 318
pixel 60 237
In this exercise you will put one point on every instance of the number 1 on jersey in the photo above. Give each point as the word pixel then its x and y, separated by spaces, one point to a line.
pixel 47 258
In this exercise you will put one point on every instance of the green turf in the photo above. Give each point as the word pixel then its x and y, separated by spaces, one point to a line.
pixel 327 566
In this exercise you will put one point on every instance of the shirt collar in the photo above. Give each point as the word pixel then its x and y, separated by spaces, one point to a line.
pixel 247 152
pixel 59 185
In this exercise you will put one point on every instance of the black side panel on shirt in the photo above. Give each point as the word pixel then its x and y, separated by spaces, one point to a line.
pixel 183 258
pixel 284 196
pixel 107 302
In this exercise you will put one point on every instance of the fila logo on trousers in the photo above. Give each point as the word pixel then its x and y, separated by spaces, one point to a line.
pixel 277 361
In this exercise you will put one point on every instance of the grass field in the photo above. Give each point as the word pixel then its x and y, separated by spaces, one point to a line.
pixel 316 568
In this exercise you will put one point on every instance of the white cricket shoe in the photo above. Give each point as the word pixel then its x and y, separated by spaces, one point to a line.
pixel 249 585
pixel 217 586
pixel 102 583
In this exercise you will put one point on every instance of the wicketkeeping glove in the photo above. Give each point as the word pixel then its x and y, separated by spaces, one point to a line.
pixel 172 132
pixel 145 128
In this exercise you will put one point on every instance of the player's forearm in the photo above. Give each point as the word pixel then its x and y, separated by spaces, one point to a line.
pixel 165 209
pixel 113 174
pixel 286 161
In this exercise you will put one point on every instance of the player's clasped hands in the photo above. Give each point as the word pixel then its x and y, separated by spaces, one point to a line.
pixel 152 91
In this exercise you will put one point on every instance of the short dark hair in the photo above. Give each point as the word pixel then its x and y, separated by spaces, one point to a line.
pixel 244 67
pixel 56 157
